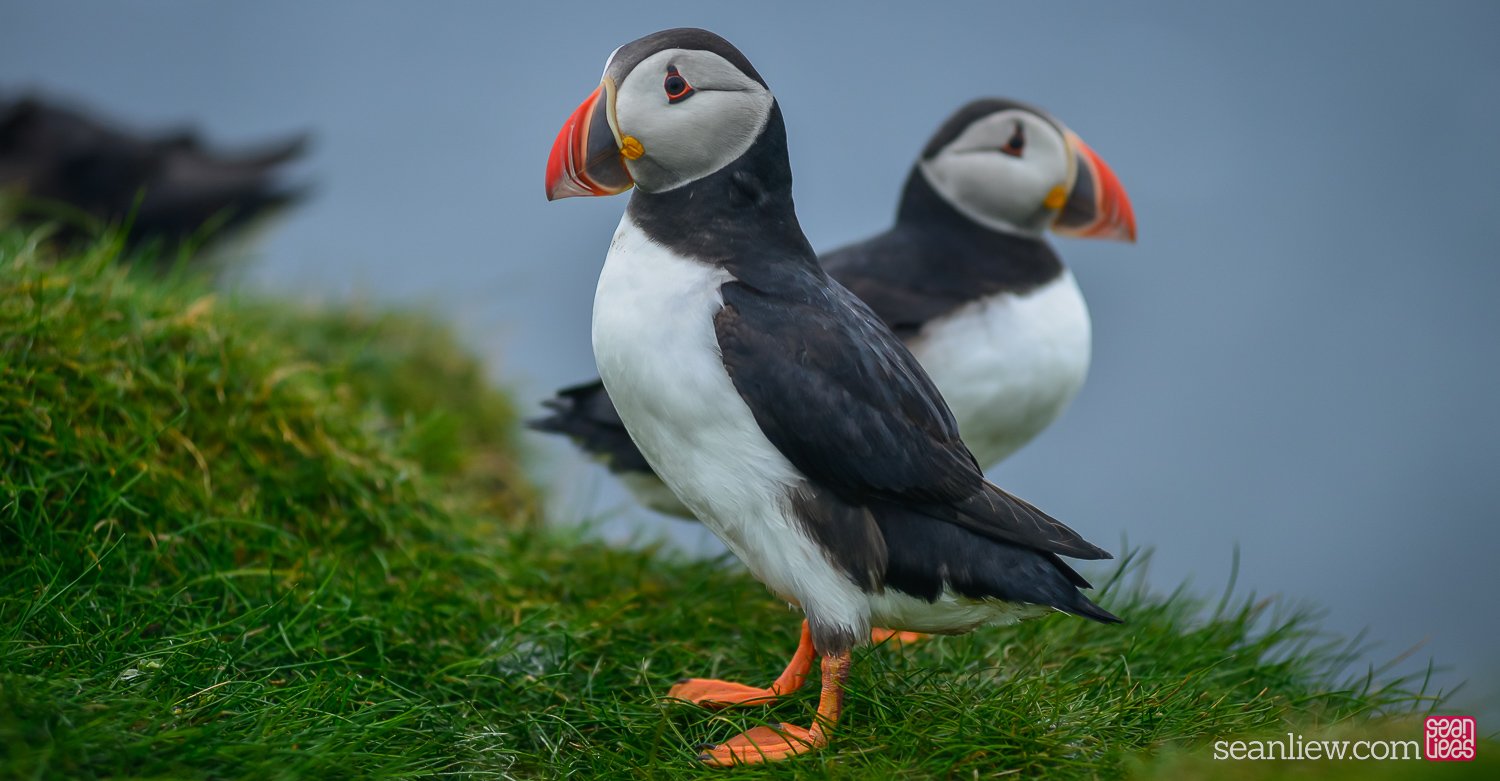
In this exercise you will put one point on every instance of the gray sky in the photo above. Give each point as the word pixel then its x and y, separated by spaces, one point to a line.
pixel 1298 358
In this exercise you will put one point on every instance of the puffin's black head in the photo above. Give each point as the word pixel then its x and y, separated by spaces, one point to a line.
pixel 1013 167
pixel 672 108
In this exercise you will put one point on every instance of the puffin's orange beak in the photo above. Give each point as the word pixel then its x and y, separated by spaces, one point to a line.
pixel 588 157
pixel 1097 207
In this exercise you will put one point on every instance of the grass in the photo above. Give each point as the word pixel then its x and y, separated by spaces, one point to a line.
pixel 243 540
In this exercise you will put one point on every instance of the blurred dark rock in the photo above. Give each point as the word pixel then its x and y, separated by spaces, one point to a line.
pixel 70 166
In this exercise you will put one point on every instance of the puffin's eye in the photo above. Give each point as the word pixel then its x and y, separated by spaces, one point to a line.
pixel 677 88
pixel 1016 143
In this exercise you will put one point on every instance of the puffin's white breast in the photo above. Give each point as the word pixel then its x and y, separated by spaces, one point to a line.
pixel 1008 364
pixel 659 358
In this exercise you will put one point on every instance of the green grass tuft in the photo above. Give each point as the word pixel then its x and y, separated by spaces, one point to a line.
pixel 242 540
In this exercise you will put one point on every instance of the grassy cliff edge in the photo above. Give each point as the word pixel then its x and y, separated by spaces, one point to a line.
pixel 245 540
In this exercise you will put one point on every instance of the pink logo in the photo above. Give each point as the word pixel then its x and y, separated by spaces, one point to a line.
pixel 1450 738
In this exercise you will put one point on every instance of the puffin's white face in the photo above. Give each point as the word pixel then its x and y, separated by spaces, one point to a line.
pixel 671 108
pixel 1010 171
pixel 692 113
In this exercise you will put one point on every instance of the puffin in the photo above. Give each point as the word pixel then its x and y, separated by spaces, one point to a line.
pixel 965 276
pixel 773 402
pixel 171 186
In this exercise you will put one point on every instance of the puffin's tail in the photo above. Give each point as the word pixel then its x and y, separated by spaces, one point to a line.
pixel 585 414
pixel 1078 604
pixel 927 554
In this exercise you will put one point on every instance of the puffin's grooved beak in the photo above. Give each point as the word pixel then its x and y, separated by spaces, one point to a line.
pixel 1097 207
pixel 586 157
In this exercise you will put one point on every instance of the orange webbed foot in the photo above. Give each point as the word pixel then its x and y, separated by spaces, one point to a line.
pixel 878 636
pixel 711 693
pixel 763 744
pixel 772 743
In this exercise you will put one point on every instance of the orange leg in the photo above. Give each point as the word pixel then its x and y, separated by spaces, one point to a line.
pixel 711 693
pixel 878 636
pixel 769 744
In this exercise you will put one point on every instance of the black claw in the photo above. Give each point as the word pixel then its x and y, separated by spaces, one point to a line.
pixel 704 757
pixel 682 680
pixel 705 746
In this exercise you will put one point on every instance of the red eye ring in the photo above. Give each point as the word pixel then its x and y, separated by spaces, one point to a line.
pixel 677 88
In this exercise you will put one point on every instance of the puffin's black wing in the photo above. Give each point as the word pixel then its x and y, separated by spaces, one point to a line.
pixel 839 395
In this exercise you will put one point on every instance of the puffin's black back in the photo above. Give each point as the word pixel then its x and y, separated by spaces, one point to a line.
pixel 935 260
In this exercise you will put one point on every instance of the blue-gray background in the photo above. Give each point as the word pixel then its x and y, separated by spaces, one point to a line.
pixel 1298 358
